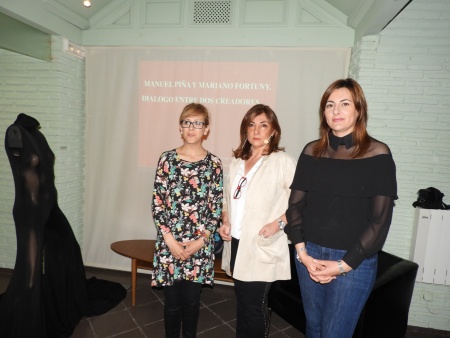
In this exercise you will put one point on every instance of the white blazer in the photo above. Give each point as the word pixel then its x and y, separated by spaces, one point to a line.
pixel 258 258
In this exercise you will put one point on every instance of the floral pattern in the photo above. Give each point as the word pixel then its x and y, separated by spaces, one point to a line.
pixel 187 199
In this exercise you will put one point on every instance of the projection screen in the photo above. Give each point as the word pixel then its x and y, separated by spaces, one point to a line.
pixel 133 100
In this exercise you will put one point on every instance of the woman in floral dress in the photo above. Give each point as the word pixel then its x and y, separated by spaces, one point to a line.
pixel 187 207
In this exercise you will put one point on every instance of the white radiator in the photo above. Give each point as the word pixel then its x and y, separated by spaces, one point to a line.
pixel 431 245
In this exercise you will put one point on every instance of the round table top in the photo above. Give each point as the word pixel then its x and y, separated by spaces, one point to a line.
pixel 142 249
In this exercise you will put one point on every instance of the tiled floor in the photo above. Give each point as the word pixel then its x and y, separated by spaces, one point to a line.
pixel 145 319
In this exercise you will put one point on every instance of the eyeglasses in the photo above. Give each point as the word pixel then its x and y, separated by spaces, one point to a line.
pixel 195 124
pixel 237 193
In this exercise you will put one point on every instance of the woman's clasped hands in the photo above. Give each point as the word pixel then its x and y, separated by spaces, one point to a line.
pixel 183 250
pixel 322 271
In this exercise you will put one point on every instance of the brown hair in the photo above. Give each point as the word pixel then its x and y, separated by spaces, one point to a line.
pixel 244 151
pixel 360 136
pixel 194 109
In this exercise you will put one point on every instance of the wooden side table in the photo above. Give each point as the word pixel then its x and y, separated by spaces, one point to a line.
pixel 219 274
pixel 141 253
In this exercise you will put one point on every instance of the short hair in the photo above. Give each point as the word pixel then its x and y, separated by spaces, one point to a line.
pixel 244 151
pixel 360 136
pixel 195 109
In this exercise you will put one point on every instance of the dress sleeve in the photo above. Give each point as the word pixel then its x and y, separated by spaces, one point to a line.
pixel 294 216
pixel 159 195
pixel 297 205
pixel 384 187
pixel 372 239
pixel 215 198
pixel 290 168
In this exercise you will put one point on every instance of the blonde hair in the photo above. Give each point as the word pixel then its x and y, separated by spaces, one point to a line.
pixel 195 109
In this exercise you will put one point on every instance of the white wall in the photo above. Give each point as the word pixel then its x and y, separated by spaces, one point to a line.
pixel 405 74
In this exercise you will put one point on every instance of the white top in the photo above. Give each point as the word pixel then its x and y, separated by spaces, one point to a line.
pixel 238 205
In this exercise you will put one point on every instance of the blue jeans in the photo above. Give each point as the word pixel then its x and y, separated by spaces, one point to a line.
pixel 332 310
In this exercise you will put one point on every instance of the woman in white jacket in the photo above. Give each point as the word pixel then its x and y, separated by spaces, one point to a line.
pixel 255 200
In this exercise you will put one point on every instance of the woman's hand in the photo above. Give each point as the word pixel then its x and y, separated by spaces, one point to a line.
pixel 224 231
pixel 329 270
pixel 313 265
pixel 192 247
pixel 176 248
pixel 269 229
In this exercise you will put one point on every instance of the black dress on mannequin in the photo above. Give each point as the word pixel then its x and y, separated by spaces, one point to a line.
pixel 47 294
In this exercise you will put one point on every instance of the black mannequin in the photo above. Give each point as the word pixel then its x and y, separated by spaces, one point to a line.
pixel 47 295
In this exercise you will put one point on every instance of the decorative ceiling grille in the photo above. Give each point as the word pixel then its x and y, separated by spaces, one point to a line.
pixel 212 12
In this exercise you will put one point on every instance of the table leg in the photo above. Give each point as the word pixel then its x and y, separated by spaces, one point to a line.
pixel 133 280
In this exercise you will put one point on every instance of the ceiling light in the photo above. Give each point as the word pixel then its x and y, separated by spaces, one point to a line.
pixel 87 3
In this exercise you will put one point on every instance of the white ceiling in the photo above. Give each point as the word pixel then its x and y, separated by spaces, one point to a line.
pixel 69 18
pixel 77 7
pixel 345 6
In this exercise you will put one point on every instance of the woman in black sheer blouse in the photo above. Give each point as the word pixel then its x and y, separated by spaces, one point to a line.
pixel 339 214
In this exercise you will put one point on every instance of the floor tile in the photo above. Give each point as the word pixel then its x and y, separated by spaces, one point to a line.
pixel 208 320
pixel 225 309
pixel 84 330
pixel 277 334
pixel 146 319
pixel 136 333
pixel 147 313
pixel 222 331
pixel 113 323
pixel 155 329
pixel 144 295
pixel 294 333
pixel 277 322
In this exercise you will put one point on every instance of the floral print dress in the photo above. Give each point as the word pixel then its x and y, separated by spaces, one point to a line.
pixel 187 199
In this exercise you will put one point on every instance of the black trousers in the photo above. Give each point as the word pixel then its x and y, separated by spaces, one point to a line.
pixel 181 309
pixel 253 313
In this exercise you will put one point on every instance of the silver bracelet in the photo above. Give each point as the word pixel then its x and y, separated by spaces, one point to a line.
pixel 341 268
pixel 298 253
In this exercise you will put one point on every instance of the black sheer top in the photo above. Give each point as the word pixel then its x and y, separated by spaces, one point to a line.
pixel 343 203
